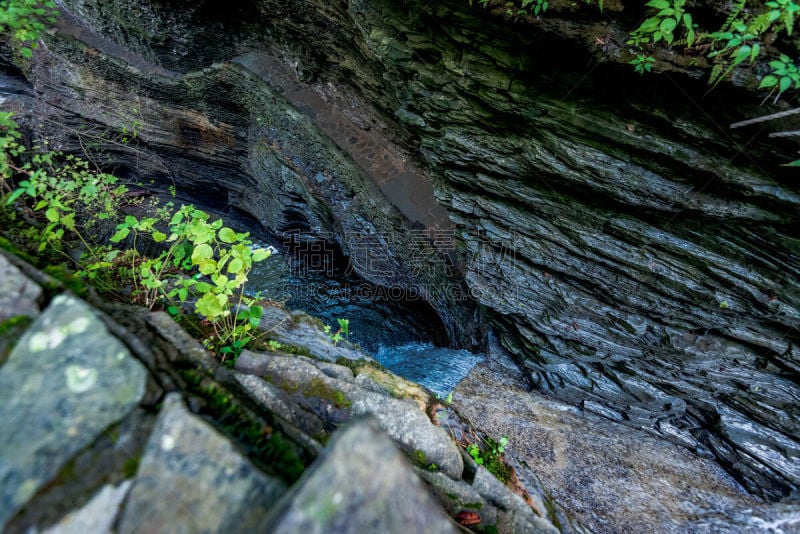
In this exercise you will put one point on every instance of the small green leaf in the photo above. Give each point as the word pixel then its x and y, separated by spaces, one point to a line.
pixel 158 237
pixel 51 214
pixel 121 233
pixel 202 252
pixel 768 81
pixel 235 265
pixel 667 26
pixel 207 266
pixel 785 83
pixel 742 54
pixel 226 235
pixel 203 287
pixel 261 254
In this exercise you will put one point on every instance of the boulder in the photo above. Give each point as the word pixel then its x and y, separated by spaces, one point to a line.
pixel 361 484
pixel 193 479
pixel 65 382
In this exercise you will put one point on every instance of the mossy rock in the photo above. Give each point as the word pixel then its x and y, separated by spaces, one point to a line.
pixel 319 389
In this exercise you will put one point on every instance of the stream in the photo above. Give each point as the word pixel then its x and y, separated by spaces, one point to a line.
pixel 403 335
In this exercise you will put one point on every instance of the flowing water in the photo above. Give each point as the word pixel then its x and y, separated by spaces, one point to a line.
pixel 401 335
pixel 437 368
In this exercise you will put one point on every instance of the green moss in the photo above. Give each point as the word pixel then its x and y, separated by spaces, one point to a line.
pixel 552 512
pixel 131 466
pixel 10 331
pixel 193 377
pixel 9 246
pixel 498 468
pixel 357 365
pixel 68 278
pixel 322 438
pixel 318 388
pixel 14 324
pixel 420 457
pixel 473 505
pixel 314 321
pixel 112 433
pixel 288 386
pixel 267 447
pixel 298 351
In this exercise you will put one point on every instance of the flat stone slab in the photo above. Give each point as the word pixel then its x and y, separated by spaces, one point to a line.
pixel 66 381
pixel 361 484
pixel 193 479
pixel 97 515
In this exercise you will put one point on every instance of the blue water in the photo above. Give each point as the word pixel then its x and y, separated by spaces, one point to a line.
pixel 399 335
pixel 374 319
pixel 438 369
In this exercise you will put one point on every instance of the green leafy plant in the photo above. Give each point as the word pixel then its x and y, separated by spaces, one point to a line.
pixel 642 63
pixel 539 6
pixel 491 456
pixel 782 11
pixel 342 333
pixel 524 7
pixel 25 21
pixel 130 133
pixel 740 45
pixel 63 194
pixel 219 260
pixel 662 25
pixel 784 75
pixel 61 197
pixel 741 36
pixel 476 453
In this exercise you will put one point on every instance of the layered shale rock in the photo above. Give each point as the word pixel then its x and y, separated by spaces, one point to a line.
pixel 637 257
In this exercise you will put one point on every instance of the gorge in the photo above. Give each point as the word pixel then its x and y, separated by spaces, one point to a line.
pixel 512 184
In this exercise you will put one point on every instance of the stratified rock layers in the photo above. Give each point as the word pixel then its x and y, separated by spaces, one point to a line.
pixel 638 257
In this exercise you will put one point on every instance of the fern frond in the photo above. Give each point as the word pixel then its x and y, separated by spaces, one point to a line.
pixel 732 16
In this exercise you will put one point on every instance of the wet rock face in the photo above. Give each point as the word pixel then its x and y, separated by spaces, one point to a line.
pixel 225 137
pixel 635 255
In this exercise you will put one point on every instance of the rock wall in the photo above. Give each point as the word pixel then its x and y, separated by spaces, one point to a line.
pixel 226 138
pixel 635 255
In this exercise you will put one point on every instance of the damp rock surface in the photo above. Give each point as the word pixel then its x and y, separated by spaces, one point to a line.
pixel 193 479
pixel 65 382
pixel 342 495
